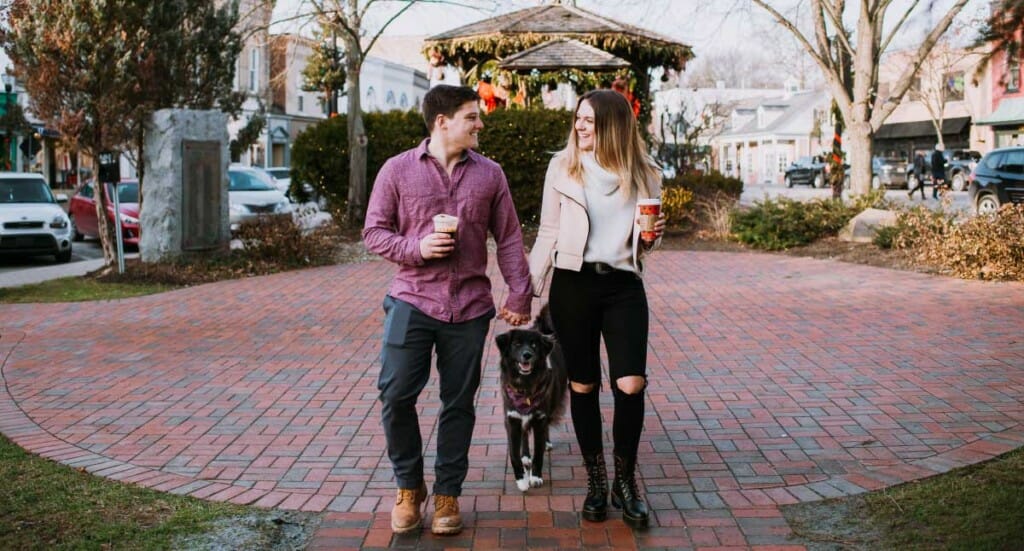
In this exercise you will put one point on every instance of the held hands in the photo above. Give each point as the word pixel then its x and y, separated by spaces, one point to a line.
pixel 513 318
pixel 436 245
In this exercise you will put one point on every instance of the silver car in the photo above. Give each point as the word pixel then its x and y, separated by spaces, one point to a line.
pixel 251 194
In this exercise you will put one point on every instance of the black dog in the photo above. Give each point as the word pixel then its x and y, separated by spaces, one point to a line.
pixel 534 381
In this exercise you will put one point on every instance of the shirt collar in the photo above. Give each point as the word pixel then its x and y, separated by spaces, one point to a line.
pixel 423 151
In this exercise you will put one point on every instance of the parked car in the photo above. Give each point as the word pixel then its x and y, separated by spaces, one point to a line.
pixel 251 194
pixel 82 211
pixel 997 179
pixel 282 176
pixel 959 164
pixel 888 172
pixel 32 222
pixel 806 171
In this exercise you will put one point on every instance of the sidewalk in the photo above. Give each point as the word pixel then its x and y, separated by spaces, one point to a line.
pixel 46 273
pixel 773 380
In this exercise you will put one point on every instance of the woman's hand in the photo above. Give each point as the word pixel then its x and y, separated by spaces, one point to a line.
pixel 659 229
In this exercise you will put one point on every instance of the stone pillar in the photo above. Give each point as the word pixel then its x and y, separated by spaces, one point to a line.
pixel 185 203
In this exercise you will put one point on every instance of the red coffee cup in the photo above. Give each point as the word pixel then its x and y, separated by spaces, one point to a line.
pixel 650 210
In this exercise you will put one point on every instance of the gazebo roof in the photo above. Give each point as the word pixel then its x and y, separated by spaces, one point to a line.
pixel 561 53
pixel 553 19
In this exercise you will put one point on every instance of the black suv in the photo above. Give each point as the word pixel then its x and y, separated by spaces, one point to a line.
pixel 806 171
pixel 997 179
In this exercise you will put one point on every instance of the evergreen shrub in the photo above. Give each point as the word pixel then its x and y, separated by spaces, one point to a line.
pixel 781 223
pixel 522 141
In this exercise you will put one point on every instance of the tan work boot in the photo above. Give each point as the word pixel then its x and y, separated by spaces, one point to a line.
pixel 447 520
pixel 407 515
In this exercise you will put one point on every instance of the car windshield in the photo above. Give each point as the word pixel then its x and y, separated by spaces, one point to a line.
pixel 246 180
pixel 127 192
pixel 280 173
pixel 804 161
pixel 25 190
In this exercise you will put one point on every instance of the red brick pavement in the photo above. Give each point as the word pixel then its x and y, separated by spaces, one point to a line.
pixel 774 380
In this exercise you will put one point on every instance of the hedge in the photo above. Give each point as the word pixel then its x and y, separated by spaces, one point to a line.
pixel 522 141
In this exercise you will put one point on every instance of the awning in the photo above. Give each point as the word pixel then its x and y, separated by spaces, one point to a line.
pixel 921 129
pixel 1010 111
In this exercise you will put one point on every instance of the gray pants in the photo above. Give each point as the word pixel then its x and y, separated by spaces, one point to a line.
pixel 409 337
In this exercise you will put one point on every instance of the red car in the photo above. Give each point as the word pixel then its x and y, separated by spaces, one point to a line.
pixel 82 211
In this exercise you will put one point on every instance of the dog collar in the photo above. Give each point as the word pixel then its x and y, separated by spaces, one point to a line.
pixel 523 403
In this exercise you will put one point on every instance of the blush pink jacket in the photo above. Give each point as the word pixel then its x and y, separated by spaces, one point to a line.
pixel 565 225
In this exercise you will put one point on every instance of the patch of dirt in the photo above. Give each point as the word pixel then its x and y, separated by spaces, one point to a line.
pixel 264 530
pixel 833 525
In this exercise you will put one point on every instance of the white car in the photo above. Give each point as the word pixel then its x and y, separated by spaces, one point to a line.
pixel 282 177
pixel 251 194
pixel 32 221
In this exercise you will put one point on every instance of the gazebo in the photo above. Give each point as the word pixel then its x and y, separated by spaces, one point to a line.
pixel 556 32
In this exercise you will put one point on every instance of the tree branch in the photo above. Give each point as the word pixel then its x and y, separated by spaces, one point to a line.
pixel 906 78
pixel 899 24
pixel 837 22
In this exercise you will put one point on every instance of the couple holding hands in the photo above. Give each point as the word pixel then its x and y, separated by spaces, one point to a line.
pixel 440 299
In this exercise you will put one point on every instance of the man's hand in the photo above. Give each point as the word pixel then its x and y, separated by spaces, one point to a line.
pixel 513 318
pixel 436 245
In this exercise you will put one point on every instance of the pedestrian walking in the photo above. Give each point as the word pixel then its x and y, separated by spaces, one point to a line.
pixel 590 235
pixel 918 176
pixel 938 171
pixel 440 299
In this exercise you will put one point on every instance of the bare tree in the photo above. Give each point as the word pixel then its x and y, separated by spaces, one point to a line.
pixel 849 60
pixel 943 80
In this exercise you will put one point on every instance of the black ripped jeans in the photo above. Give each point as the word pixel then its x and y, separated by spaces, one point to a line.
pixel 584 307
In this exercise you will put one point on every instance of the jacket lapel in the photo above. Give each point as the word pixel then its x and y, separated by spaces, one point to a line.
pixel 571 190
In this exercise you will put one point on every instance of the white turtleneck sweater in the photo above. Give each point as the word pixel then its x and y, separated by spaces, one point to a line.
pixel 611 217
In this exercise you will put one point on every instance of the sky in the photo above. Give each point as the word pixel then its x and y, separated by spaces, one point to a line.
pixel 706 25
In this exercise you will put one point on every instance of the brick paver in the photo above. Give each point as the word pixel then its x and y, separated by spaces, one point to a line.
pixel 774 380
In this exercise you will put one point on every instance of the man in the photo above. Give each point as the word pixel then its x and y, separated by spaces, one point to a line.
pixel 440 299
pixel 938 171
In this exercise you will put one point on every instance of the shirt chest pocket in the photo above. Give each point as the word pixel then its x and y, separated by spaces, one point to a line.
pixel 423 208
pixel 477 208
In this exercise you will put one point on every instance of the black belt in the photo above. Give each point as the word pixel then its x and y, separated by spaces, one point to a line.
pixel 599 268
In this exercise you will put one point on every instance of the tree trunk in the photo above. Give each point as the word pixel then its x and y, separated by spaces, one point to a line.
pixel 356 140
pixel 858 144
pixel 104 227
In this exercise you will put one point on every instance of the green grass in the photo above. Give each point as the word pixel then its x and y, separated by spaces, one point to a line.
pixel 978 507
pixel 44 505
pixel 76 289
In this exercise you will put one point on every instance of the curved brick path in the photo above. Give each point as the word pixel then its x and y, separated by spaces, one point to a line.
pixel 774 380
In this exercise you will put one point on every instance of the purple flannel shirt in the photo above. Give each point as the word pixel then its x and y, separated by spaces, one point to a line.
pixel 409 190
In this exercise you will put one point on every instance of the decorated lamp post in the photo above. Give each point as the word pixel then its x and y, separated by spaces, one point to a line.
pixel 8 99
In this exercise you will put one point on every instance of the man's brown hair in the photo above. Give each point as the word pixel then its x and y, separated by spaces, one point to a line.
pixel 445 100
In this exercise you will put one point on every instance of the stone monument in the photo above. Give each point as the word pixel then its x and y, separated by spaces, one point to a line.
pixel 185 191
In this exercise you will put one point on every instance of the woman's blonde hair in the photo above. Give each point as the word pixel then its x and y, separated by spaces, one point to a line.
pixel 618 146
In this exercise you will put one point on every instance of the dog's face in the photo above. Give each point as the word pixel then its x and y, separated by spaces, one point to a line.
pixel 524 351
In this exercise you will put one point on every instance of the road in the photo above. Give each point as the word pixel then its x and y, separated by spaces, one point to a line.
pixel 82 250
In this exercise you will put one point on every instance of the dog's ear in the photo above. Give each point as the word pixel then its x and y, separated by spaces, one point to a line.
pixel 502 341
pixel 548 342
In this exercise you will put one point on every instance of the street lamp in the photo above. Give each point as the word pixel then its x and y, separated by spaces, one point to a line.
pixel 9 98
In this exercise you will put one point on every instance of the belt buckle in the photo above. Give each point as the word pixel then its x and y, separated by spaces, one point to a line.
pixel 600 268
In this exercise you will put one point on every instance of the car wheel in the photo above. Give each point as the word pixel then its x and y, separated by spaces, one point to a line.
pixel 986 204
pixel 75 236
pixel 959 182
pixel 63 257
pixel 876 183
pixel 819 182
pixel 789 182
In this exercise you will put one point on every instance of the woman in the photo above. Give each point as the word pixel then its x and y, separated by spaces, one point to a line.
pixel 589 233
